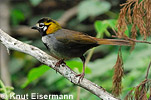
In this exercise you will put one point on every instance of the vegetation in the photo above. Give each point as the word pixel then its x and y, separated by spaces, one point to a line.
pixel 96 18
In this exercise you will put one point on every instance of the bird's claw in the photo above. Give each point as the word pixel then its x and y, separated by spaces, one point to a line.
pixel 58 64
pixel 81 76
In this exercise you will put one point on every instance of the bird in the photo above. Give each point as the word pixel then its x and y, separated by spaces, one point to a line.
pixel 65 44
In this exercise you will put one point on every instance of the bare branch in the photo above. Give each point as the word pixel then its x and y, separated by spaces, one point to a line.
pixel 65 71
pixel 134 40
pixel 146 77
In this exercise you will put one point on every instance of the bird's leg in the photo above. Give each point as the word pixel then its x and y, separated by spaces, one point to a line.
pixel 61 61
pixel 83 72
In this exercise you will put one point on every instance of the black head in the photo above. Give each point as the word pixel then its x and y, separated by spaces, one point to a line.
pixel 46 26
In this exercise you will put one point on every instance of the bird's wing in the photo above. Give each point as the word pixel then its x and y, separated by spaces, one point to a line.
pixel 70 37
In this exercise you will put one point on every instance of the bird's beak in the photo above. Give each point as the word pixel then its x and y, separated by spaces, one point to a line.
pixel 34 27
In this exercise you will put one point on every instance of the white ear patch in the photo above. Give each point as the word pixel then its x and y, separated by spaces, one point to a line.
pixel 45 27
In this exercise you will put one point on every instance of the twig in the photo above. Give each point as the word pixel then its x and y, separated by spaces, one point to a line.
pixel 78 92
pixel 43 57
pixel 139 41
pixel 148 70
pixel 134 40
pixel 141 85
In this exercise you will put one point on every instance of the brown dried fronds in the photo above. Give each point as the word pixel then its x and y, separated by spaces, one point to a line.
pixel 118 74
pixel 140 92
pixel 129 96
pixel 147 7
pixel 137 14
pixel 122 21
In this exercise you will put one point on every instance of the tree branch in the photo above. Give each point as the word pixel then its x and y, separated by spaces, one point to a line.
pixel 43 57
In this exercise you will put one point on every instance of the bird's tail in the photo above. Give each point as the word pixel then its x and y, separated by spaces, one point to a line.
pixel 114 42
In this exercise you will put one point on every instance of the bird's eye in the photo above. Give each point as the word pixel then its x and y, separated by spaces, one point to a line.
pixel 41 24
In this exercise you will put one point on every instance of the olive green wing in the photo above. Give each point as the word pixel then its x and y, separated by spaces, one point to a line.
pixel 73 37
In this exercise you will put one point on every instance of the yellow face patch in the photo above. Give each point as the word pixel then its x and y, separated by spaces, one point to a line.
pixel 52 27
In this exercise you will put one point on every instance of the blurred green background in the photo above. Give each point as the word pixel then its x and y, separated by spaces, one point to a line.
pixel 94 17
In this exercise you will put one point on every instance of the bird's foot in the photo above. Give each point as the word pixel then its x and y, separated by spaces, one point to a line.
pixel 61 61
pixel 81 76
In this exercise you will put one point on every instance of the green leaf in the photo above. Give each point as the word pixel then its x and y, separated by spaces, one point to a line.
pixel 112 23
pixel 107 33
pixel 101 26
pixel 92 8
pixel 128 30
pixel 4 89
pixel 49 77
pixel 35 2
pixel 25 8
pixel 35 73
pixel 17 16
pixel 77 64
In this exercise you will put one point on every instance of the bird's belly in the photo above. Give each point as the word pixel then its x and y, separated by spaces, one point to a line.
pixel 60 50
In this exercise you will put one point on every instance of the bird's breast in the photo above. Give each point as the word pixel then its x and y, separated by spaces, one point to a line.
pixel 57 48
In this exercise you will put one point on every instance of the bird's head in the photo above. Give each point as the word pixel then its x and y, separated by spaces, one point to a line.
pixel 47 26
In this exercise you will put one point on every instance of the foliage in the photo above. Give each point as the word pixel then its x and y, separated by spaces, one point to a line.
pixel 92 8
pixel 73 65
pixel 35 73
pixel 138 15
pixel 139 92
pixel 35 2
pixel 118 75
pixel 102 26
pixel 17 16
pixel 5 90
